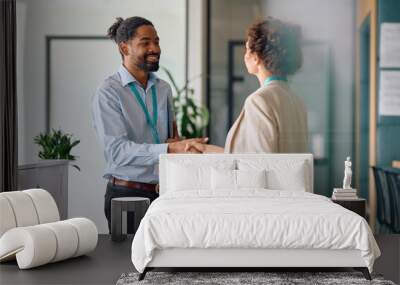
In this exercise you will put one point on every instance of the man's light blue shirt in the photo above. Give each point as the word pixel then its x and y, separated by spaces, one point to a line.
pixel 121 126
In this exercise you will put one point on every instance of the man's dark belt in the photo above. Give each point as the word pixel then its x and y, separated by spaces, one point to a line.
pixel 134 184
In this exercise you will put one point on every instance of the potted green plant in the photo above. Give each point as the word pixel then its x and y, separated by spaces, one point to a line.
pixel 192 118
pixel 56 145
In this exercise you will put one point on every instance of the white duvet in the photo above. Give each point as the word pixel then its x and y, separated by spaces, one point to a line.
pixel 252 218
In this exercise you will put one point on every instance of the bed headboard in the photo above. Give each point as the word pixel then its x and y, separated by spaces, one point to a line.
pixel 275 161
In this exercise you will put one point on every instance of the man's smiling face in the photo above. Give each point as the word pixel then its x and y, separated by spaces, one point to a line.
pixel 143 50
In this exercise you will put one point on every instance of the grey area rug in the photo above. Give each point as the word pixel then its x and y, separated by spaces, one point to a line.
pixel 233 278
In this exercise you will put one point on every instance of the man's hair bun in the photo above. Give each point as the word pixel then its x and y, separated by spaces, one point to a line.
pixel 123 30
pixel 112 31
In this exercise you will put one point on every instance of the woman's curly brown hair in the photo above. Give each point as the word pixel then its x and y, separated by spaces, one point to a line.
pixel 277 44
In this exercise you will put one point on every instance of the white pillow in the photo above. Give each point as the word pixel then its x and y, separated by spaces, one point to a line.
pixel 182 177
pixel 236 179
pixel 292 179
pixel 289 175
pixel 223 179
pixel 251 178
pixel 190 176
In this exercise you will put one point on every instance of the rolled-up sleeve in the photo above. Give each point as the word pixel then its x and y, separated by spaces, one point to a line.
pixel 110 126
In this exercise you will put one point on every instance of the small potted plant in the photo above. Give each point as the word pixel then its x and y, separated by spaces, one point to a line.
pixel 56 145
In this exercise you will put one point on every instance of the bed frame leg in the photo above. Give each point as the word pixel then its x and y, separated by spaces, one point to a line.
pixel 143 274
pixel 364 271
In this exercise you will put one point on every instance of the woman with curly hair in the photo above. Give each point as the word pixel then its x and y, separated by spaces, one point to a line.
pixel 273 118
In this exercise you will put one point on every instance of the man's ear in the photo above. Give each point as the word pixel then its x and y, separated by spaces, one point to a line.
pixel 123 48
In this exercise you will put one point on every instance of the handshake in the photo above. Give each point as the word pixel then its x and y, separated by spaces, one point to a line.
pixel 196 145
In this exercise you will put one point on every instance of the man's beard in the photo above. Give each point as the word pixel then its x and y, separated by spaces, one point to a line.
pixel 148 66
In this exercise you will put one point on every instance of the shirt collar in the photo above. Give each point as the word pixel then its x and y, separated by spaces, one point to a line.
pixel 127 77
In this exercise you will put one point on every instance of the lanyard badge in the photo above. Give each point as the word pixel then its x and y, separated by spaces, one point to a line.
pixel 151 122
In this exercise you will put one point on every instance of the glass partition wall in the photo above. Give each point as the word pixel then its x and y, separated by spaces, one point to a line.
pixel 325 81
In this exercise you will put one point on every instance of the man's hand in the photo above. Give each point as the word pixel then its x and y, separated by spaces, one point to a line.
pixel 195 147
pixel 171 140
pixel 184 146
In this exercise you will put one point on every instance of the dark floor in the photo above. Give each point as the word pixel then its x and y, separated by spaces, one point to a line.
pixel 389 262
pixel 110 260
pixel 102 266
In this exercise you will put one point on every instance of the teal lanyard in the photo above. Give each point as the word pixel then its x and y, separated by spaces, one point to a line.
pixel 274 77
pixel 150 122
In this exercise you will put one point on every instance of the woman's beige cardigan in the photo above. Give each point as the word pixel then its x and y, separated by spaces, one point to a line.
pixel 273 120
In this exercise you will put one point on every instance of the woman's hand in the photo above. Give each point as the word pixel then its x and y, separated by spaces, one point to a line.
pixel 184 146
pixel 195 147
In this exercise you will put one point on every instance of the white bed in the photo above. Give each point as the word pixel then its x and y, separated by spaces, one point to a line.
pixel 203 220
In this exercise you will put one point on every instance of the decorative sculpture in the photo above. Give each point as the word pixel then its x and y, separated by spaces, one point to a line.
pixel 347 174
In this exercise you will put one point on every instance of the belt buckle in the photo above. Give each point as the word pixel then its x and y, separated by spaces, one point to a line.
pixel 157 188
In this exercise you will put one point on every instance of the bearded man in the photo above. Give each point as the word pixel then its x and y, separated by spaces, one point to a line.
pixel 133 116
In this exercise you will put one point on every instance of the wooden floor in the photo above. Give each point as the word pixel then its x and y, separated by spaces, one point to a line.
pixel 110 260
